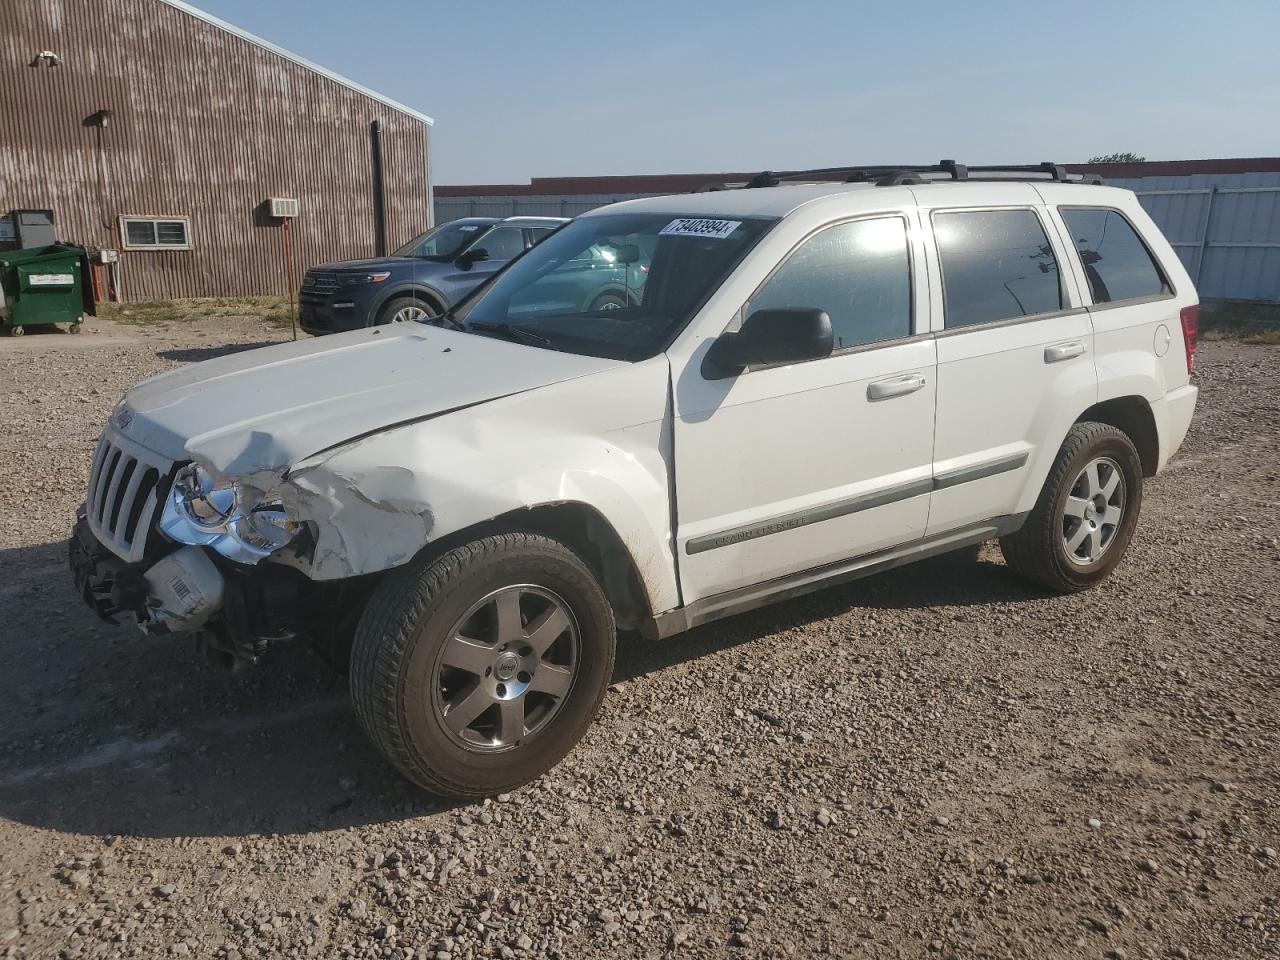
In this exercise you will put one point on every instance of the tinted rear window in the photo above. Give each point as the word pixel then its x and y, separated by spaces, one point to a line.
pixel 996 265
pixel 1115 259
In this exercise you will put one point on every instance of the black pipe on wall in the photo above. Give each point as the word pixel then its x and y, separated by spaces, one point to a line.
pixel 379 192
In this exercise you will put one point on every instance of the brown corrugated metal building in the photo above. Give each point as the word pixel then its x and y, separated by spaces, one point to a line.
pixel 154 129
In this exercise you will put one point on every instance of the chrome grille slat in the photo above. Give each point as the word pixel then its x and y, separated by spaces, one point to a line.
pixel 109 469
pixel 118 464
pixel 120 521
pixel 99 457
pixel 111 499
pixel 147 518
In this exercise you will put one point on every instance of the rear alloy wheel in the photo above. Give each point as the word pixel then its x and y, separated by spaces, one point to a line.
pixel 1093 511
pixel 476 671
pixel 407 310
pixel 1086 513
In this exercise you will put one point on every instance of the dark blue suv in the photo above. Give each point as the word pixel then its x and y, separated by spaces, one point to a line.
pixel 425 277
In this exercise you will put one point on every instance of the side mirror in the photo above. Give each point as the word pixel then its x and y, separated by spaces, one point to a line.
pixel 773 336
pixel 627 253
pixel 469 258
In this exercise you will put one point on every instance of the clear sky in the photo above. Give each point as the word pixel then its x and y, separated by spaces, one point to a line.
pixel 545 88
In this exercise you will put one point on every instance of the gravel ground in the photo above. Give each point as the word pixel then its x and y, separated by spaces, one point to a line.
pixel 939 761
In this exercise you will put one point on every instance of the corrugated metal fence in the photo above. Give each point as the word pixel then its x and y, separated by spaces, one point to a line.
pixel 1225 227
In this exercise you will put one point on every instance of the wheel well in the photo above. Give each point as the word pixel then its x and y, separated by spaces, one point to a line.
pixel 588 534
pixel 1132 416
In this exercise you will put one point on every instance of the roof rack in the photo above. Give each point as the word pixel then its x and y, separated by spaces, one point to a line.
pixel 892 175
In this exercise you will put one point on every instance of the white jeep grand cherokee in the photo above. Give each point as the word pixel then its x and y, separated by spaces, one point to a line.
pixel 806 382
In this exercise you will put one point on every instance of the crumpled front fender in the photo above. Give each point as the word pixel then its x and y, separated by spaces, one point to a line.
pixel 376 502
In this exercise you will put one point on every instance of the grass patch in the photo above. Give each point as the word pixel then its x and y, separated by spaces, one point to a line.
pixel 273 311
pixel 1241 320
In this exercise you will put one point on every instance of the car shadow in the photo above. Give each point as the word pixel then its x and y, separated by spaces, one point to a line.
pixel 110 732
pixel 945 581
pixel 196 354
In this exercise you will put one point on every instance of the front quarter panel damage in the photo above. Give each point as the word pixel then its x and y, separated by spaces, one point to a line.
pixel 600 440
pixel 366 517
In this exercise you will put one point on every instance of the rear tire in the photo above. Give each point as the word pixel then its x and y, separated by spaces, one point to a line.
pixel 1081 525
pixel 462 706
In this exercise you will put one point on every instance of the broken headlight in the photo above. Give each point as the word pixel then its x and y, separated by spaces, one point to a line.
pixel 238 521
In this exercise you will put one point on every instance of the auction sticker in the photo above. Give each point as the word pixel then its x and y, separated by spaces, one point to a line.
pixel 698 227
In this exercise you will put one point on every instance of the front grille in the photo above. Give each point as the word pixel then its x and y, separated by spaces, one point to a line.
pixel 317 286
pixel 126 487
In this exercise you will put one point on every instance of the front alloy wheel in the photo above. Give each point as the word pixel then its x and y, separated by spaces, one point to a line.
pixel 406 310
pixel 409 314
pixel 477 670
pixel 506 668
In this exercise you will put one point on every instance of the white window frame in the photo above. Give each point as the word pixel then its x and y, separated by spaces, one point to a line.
pixel 155 222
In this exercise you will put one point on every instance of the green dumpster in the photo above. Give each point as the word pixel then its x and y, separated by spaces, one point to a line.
pixel 42 285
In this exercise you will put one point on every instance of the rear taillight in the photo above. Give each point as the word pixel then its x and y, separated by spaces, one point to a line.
pixel 1190 317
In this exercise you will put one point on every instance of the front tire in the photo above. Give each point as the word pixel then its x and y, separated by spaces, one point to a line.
pixel 477 671
pixel 1081 525
pixel 607 302
pixel 407 310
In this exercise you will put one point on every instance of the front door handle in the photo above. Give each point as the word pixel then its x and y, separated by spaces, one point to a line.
pixel 1063 351
pixel 897 387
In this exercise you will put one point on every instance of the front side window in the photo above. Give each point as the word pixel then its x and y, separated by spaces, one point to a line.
pixel 615 285
pixel 996 265
pixel 1115 259
pixel 502 243
pixel 858 272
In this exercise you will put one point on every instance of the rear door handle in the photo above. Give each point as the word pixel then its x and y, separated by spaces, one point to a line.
pixel 1063 351
pixel 897 387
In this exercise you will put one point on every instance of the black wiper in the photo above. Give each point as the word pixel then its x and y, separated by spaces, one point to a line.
pixel 445 319
pixel 512 333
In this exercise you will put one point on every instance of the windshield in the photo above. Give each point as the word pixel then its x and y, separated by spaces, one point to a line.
pixel 615 285
pixel 442 243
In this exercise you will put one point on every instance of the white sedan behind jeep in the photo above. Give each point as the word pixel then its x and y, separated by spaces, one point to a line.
pixel 811 382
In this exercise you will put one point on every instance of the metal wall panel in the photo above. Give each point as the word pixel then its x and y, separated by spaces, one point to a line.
pixel 1225 227
pixel 204 124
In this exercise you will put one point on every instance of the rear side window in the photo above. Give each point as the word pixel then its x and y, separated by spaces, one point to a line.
pixel 1116 261
pixel 996 265
pixel 858 272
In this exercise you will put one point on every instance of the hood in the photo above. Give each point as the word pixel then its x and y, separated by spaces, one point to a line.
pixel 377 262
pixel 259 411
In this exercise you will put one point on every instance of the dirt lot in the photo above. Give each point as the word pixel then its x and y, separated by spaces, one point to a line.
pixel 939 761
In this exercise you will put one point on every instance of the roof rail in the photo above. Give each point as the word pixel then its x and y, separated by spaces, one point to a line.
pixel 892 175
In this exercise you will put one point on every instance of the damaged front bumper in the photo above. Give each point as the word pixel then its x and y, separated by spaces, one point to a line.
pixel 232 613
pixel 179 593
